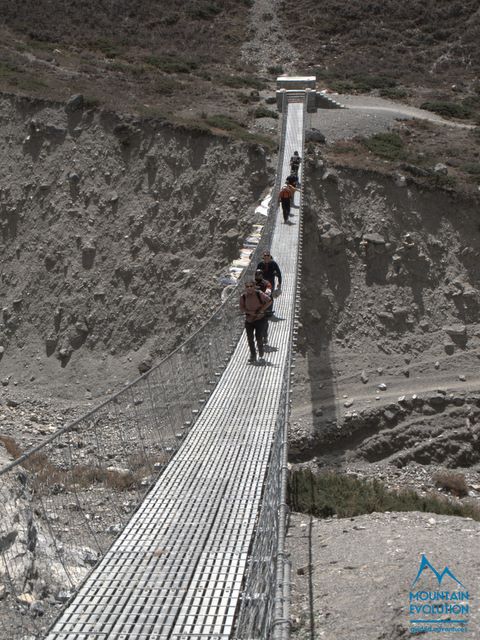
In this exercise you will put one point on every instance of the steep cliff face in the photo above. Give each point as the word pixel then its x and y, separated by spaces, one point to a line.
pixel 113 231
pixel 388 372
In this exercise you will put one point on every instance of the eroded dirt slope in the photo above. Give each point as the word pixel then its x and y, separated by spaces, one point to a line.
pixel 390 343
pixel 113 234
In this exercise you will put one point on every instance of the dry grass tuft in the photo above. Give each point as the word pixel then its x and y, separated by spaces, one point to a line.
pixel 452 482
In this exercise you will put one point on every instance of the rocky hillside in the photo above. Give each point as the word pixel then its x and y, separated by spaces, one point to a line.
pixel 416 51
pixel 114 231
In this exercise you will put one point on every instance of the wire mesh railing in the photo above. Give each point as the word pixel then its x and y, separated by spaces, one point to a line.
pixel 264 610
pixel 66 500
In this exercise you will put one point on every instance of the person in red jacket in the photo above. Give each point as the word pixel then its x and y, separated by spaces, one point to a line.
pixel 266 287
pixel 254 303
pixel 285 199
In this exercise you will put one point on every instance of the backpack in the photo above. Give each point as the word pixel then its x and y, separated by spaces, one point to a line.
pixel 258 296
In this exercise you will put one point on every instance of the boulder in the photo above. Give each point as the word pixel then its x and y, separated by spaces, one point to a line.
pixel 374 238
pixel 332 238
pixel 419 172
pixel 456 330
pixel 314 135
pixel 440 169
pixel 330 176
pixel 74 103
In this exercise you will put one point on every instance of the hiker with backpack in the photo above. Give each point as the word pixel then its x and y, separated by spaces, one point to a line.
pixel 254 304
pixel 265 286
pixel 285 198
pixel 271 272
pixel 295 161
pixel 293 180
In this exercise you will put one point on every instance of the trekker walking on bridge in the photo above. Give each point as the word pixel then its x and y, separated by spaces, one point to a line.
pixel 295 161
pixel 265 286
pixel 254 303
pixel 285 198
pixel 271 272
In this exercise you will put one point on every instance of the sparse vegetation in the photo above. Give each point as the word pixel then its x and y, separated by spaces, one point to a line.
pixel 264 112
pixel 394 93
pixel 444 181
pixel 11 446
pixel 448 109
pixel 50 477
pixel 172 64
pixel 110 48
pixel 275 70
pixel 238 131
pixel 7 70
pixel 204 11
pixel 386 145
pixel 165 86
pixel 224 122
pixel 89 102
pixel 452 482
pixel 360 83
pixel 240 82
pixel 329 494
pixel 473 168
pixel 248 98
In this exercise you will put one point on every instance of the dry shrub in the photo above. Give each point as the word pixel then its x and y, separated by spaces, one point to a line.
pixel 326 494
pixel 11 446
pixel 452 482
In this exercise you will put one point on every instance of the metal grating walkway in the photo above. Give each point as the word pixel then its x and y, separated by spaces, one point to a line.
pixel 177 569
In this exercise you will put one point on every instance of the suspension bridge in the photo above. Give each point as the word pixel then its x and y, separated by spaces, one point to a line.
pixel 187 465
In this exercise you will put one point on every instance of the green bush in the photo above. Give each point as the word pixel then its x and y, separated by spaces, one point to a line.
pixel 473 168
pixel 171 64
pixel 171 19
pixel 224 122
pixel 264 112
pixel 109 48
pixel 385 145
pixel 443 182
pixel 275 70
pixel 7 70
pixel 448 109
pixel 240 82
pixel 362 84
pixel 248 98
pixel 90 102
pixel 394 93
pixel 166 86
pixel 471 102
pixel 204 12
pixel 329 494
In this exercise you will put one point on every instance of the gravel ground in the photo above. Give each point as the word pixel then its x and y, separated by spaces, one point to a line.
pixel 367 115
pixel 351 578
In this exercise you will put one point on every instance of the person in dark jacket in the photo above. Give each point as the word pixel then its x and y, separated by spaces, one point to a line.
pixel 295 161
pixel 293 180
pixel 271 272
